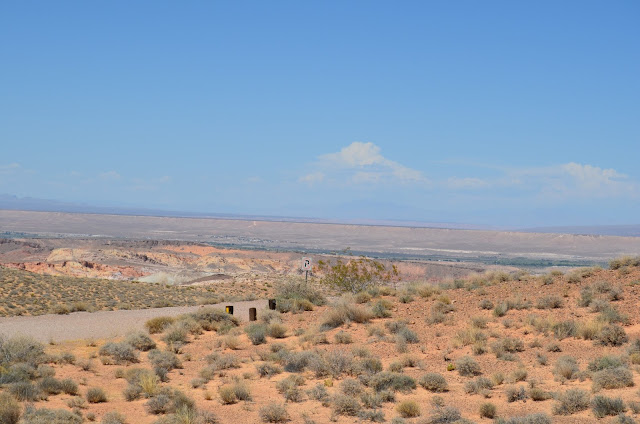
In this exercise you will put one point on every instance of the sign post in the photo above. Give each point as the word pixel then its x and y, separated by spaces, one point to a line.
pixel 306 267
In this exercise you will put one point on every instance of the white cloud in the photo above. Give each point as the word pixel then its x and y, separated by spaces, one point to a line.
pixel 363 163
pixel 314 177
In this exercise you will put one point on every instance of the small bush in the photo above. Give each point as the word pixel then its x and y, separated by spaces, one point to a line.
pixel 49 416
pixel 342 337
pixel 488 410
pixel 467 366
pixel 501 309
pixel 480 385
pixel 486 304
pixel 25 391
pixel 257 333
pixel 434 382
pixel 445 415
pixel 158 324
pixel 113 417
pixel 276 330
pixel 408 409
pixel 538 395
pixel 566 368
pixel 539 418
pixel 612 335
pixel 612 378
pixel 392 381
pixel 549 302
pixel 120 353
pixel 381 309
pixel 564 329
pixel 318 392
pixel 10 410
pixel 344 312
pixel 515 394
pixel 603 406
pixel 140 341
pixel 351 387
pixel 273 413
pixel 571 401
pixel 96 395
pixel 346 405
pixel 268 370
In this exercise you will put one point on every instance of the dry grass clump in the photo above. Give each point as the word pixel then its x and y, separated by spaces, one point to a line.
pixel 158 324
pixel 612 335
pixel 480 385
pixel 257 333
pixel 625 261
pixel 232 393
pixel 118 353
pixel 140 341
pixel 549 302
pixel 345 405
pixel 515 394
pixel 345 312
pixel 296 295
pixel 566 368
pixel 539 418
pixel 393 381
pixel 381 309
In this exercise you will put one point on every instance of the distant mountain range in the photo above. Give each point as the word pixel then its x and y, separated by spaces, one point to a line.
pixel 11 202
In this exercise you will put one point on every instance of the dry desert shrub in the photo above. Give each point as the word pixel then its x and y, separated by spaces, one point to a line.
pixel 140 341
pixel 603 406
pixel 10 409
pixel 612 378
pixel 393 381
pixel 96 395
pixel 345 405
pixel 612 335
pixel 539 418
pixel 274 413
pixel 572 401
pixel 49 416
pixel 118 353
pixel 566 368
pixel 113 417
pixel 408 409
pixel 257 333
pixel 344 312
pixel 480 385
pixel 488 410
pixel 468 367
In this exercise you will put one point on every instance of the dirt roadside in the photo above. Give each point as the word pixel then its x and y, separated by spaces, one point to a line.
pixel 104 324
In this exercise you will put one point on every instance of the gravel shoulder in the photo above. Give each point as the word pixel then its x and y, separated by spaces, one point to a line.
pixel 104 324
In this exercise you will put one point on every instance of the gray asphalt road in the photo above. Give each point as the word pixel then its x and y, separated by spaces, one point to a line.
pixel 103 324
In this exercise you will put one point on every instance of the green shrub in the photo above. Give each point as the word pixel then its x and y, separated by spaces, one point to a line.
pixel 603 406
pixel 408 409
pixel 434 382
pixel 571 401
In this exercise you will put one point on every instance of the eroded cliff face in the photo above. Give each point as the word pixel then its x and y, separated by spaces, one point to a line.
pixel 177 262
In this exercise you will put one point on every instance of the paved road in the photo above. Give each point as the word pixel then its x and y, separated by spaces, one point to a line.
pixel 103 324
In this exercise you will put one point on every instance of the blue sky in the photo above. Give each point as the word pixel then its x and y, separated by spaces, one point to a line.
pixel 498 113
